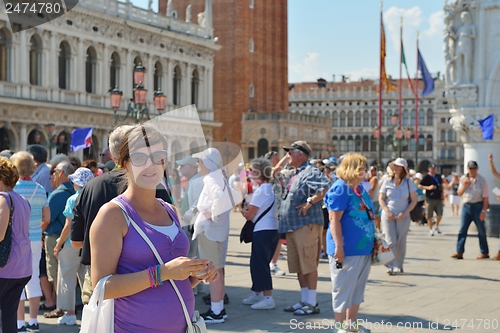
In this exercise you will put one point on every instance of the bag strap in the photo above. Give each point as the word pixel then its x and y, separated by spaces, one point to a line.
pixel 34 192
pixel 157 255
pixel 265 212
pixel 98 293
pixel 11 211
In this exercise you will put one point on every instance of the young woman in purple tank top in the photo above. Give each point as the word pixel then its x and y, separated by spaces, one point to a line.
pixel 144 300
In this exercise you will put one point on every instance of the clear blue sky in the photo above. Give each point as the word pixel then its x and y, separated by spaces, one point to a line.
pixel 327 37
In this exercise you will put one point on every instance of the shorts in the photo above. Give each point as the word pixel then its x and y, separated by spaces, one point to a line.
pixel 211 250
pixel 32 288
pixel 52 262
pixel 376 208
pixel 434 205
pixel 326 218
pixel 349 282
pixel 454 199
pixel 303 248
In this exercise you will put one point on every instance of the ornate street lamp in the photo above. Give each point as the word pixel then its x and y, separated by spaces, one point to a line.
pixel 137 107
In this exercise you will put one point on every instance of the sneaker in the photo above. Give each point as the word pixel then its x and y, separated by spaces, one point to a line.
pixel 67 319
pixel 390 271
pixel 211 318
pixel 277 271
pixel 436 229
pixel 252 299
pixel 358 328
pixel 264 304
pixel 22 330
pixel 431 232
pixel 323 255
pixel 33 328
pixel 224 314
pixel 397 271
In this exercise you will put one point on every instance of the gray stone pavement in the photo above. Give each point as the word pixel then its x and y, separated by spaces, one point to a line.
pixel 435 293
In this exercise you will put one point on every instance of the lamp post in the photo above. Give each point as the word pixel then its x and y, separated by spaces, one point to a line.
pixel 137 107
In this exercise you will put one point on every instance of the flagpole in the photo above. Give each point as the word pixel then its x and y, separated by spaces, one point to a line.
pixel 400 102
pixel 416 112
pixel 380 88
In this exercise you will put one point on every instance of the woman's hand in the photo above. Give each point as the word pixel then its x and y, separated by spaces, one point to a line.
pixel 390 215
pixel 339 254
pixel 57 248
pixel 181 268
pixel 401 216
pixel 210 275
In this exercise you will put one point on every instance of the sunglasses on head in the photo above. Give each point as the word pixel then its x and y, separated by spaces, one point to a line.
pixel 139 159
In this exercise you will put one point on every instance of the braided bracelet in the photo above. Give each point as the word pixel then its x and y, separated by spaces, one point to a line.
pixel 155 276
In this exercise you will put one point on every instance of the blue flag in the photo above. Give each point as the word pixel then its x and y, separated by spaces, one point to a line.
pixel 81 138
pixel 488 127
pixel 426 76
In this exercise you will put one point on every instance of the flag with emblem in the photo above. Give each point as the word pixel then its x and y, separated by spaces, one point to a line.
pixel 81 138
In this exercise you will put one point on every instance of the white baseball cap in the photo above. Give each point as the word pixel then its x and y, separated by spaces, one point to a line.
pixel 211 158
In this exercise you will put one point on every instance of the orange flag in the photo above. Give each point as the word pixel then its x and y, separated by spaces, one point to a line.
pixel 384 81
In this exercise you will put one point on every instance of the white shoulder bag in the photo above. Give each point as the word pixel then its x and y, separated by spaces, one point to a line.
pixel 197 323
pixel 99 315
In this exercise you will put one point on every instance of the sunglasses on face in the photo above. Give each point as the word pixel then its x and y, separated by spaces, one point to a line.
pixel 139 159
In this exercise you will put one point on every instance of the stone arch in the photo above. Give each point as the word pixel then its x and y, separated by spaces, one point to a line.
pixel 8 139
pixel 176 151
pixel 262 147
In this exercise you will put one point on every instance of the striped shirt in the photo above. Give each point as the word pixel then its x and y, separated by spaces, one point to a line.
pixel 37 198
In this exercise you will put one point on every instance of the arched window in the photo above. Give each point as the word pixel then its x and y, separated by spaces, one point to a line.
pixel 251 45
pixel 389 143
pixel 176 94
pixel 350 143
pixel 357 143
pixel 451 135
pixel 366 118
pixel 319 114
pixel 158 76
pixel 343 144
pixel 382 140
pixel 64 65
pixel 137 61
pixel 421 118
pixel 366 144
pixel 342 119
pixel 429 143
pixel 262 147
pixel 421 142
pixel 412 118
pixel 387 118
pixel 358 119
pixel 36 48
pixel 90 71
pixel 5 41
pixel 443 136
pixel 405 117
pixel 373 144
pixel 335 119
pixel 335 142
pixel 327 113
pixel 114 71
pixel 350 120
pixel 412 143
pixel 195 83
pixel 430 117
pixel 373 118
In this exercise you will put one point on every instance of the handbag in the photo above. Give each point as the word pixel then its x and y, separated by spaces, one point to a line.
pixel 196 324
pixel 99 315
pixel 416 213
pixel 382 253
pixel 6 243
pixel 246 234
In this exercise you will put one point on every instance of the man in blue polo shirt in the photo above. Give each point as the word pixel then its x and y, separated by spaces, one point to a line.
pixel 57 202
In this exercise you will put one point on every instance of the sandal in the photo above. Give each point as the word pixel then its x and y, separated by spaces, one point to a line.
pixel 292 309
pixel 306 310
pixel 47 308
pixel 54 314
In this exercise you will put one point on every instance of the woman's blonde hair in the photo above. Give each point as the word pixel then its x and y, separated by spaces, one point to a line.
pixel 24 163
pixel 351 166
pixel 8 172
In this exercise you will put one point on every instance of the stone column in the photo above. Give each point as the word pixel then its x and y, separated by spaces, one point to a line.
pixel 187 84
pixel 53 70
pixel 129 80
pixel 80 68
pixel 105 71
pixel 104 140
pixel 23 54
pixel 201 89
pixel 169 87
pixel 210 82
pixel 23 137
pixel 150 72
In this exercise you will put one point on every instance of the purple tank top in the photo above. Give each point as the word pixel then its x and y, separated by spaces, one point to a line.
pixel 159 309
pixel 19 263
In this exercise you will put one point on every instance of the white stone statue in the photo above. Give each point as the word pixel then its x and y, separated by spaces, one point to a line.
pixel 449 48
pixel 188 14
pixel 201 19
pixel 169 8
pixel 150 4
pixel 464 49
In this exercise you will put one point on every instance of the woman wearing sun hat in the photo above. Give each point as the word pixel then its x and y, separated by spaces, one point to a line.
pixel 397 198
pixel 69 258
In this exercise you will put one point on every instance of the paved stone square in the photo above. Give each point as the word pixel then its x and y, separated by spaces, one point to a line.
pixel 435 293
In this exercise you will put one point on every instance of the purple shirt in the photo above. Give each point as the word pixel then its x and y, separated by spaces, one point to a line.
pixel 19 263
pixel 159 309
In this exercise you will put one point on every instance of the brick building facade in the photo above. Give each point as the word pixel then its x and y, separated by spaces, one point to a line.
pixel 250 70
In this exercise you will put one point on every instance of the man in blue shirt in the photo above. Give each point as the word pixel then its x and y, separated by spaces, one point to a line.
pixel 42 172
pixel 57 202
pixel 301 218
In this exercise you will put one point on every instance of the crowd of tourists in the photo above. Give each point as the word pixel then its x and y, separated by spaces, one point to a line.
pixel 142 223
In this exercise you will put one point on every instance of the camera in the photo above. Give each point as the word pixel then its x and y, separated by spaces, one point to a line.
pixel 338 265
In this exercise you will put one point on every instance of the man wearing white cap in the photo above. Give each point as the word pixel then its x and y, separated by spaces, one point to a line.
pixel 211 226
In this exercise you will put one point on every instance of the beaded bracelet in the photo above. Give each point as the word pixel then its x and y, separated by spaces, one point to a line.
pixel 155 276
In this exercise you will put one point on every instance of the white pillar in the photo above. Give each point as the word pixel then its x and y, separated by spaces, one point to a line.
pixel 169 89
pixel 53 70
pixel 80 67
pixel 23 138
pixel 150 72
pixel 187 84
pixel 104 140
pixel 23 58
pixel 210 88
pixel 129 80
pixel 106 63
pixel 201 89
